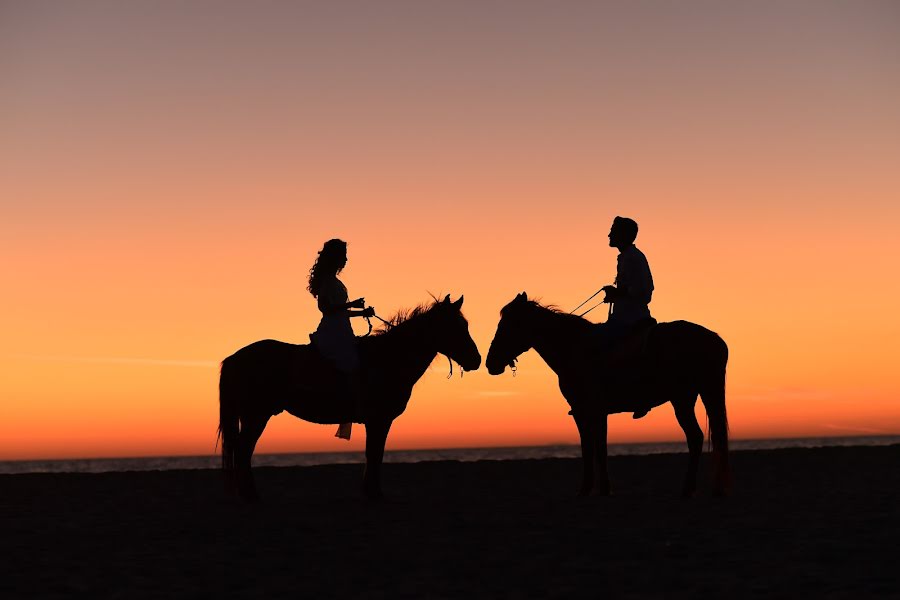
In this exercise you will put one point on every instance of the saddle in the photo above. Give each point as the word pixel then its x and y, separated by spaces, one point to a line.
pixel 632 347
pixel 626 374
pixel 314 371
pixel 324 389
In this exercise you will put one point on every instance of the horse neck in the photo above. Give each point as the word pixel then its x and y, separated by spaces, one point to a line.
pixel 407 348
pixel 557 336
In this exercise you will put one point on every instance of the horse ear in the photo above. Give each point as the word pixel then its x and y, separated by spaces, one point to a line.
pixel 447 299
pixel 458 303
pixel 523 297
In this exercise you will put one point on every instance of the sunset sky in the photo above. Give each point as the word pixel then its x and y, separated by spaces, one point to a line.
pixel 169 169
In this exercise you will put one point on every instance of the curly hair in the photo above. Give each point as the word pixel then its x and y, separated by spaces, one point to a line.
pixel 326 263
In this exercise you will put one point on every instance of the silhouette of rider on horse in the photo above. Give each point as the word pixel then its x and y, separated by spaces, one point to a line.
pixel 334 338
pixel 629 296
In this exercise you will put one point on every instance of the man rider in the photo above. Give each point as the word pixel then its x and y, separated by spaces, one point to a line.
pixel 633 287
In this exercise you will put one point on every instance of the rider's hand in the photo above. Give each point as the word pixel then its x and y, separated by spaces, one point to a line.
pixel 611 293
pixel 369 312
pixel 358 303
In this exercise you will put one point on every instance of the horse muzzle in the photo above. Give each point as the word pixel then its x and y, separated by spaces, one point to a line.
pixel 472 365
pixel 494 367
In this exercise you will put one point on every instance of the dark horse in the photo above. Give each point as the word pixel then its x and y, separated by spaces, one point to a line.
pixel 679 361
pixel 267 377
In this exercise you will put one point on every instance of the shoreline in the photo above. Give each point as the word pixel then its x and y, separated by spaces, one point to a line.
pixel 290 459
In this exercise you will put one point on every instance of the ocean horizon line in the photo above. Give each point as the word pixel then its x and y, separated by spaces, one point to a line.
pixel 461 454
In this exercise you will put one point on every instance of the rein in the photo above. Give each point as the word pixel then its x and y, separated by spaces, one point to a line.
pixel 369 323
pixel 591 297
pixel 593 307
pixel 388 323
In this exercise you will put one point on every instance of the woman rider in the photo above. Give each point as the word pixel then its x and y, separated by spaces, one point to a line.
pixel 334 338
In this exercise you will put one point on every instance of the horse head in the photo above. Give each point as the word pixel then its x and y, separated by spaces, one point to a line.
pixel 451 334
pixel 512 337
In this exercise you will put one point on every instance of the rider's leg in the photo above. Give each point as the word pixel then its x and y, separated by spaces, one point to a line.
pixel 606 336
pixel 351 393
pixel 356 396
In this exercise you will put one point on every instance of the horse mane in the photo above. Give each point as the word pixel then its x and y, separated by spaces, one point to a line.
pixel 549 307
pixel 404 315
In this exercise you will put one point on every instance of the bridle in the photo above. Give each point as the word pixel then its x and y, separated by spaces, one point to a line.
pixel 511 363
pixel 391 326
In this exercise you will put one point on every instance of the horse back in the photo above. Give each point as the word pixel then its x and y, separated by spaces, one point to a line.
pixel 268 356
pixel 682 344
pixel 274 366
pixel 276 376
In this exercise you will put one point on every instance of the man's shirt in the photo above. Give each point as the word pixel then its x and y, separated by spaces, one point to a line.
pixel 633 277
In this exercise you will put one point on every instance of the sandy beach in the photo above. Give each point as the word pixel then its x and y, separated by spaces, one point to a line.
pixel 801 523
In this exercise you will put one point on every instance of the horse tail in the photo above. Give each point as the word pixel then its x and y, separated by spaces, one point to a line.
pixel 229 418
pixel 712 395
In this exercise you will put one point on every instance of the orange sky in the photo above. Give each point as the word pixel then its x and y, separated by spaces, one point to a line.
pixel 168 171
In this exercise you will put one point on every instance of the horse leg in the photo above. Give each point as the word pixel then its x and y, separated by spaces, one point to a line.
pixel 251 428
pixel 600 453
pixel 376 437
pixel 684 412
pixel 713 396
pixel 588 450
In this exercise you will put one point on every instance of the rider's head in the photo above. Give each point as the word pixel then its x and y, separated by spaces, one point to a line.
pixel 333 255
pixel 623 232
pixel 331 260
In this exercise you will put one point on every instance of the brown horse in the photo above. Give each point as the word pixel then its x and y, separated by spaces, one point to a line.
pixel 679 361
pixel 268 377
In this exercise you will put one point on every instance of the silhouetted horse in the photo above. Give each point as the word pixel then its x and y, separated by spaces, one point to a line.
pixel 267 377
pixel 680 361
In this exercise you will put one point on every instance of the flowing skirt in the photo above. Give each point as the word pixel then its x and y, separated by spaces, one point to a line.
pixel 334 339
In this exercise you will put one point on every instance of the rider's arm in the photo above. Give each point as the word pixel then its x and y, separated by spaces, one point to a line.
pixel 329 309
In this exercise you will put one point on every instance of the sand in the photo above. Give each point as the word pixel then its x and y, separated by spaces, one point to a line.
pixel 801 523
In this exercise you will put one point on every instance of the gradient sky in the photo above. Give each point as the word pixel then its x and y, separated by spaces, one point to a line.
pixel 168 171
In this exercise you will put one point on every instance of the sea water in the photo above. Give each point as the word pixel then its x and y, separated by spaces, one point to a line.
pixel 166 463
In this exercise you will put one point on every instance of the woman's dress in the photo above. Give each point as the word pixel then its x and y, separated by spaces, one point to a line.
pixel 334 338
